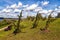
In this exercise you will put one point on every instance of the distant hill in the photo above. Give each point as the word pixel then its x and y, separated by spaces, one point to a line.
pixel 1 17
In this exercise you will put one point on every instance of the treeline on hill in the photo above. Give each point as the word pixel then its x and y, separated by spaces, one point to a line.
pixel 34 19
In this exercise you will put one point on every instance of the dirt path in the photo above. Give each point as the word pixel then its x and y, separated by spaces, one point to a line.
pixel 4 28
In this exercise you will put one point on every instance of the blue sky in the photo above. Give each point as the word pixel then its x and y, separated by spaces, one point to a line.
pixel 52 3
pixel 12 7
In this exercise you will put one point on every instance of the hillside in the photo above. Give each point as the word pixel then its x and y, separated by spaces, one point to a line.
pixel 34 34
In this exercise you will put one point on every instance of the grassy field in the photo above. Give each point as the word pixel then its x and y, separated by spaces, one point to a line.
pixel 34 34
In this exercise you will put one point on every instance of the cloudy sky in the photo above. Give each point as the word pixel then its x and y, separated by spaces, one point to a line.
pixel 12 8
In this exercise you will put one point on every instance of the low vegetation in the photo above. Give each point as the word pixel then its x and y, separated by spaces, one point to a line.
pixel 42 28
pixel 34 34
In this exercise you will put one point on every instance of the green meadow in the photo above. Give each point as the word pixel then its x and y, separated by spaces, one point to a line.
pixel 33 34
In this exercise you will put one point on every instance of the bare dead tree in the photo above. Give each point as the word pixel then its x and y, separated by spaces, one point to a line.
pixel 18 29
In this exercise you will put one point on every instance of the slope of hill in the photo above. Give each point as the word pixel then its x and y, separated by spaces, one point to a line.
pixel 34 34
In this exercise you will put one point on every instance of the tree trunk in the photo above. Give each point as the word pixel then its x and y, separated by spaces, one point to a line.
pixel 35 22
pixel 18 29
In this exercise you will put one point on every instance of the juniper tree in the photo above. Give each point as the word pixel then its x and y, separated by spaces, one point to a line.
pixel 40 17
pixel 49 20
pixel 30 18
pixel 18 29
pixel 36 19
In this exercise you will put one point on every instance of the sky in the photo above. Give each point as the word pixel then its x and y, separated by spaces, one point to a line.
pixel 12 8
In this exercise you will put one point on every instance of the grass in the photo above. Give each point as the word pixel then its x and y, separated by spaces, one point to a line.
pixel 3 24
pixel 34 34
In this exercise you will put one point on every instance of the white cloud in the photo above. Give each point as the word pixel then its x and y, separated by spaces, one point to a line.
pixel 32 7
pixel 7 6
pixel 32 14
pixel 6 10
pixel 43 11
pixel 13 6
pixel 45 2
pixel 24 14
pixel 54 14
pixel 25 5
pixel 17 10
pixel 11 11
pixel 19 4
pixel 57 9
pixel 58 6
pixel 38 9
pixel 50 11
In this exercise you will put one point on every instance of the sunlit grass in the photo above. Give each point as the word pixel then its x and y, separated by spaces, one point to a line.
pixel 34 34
